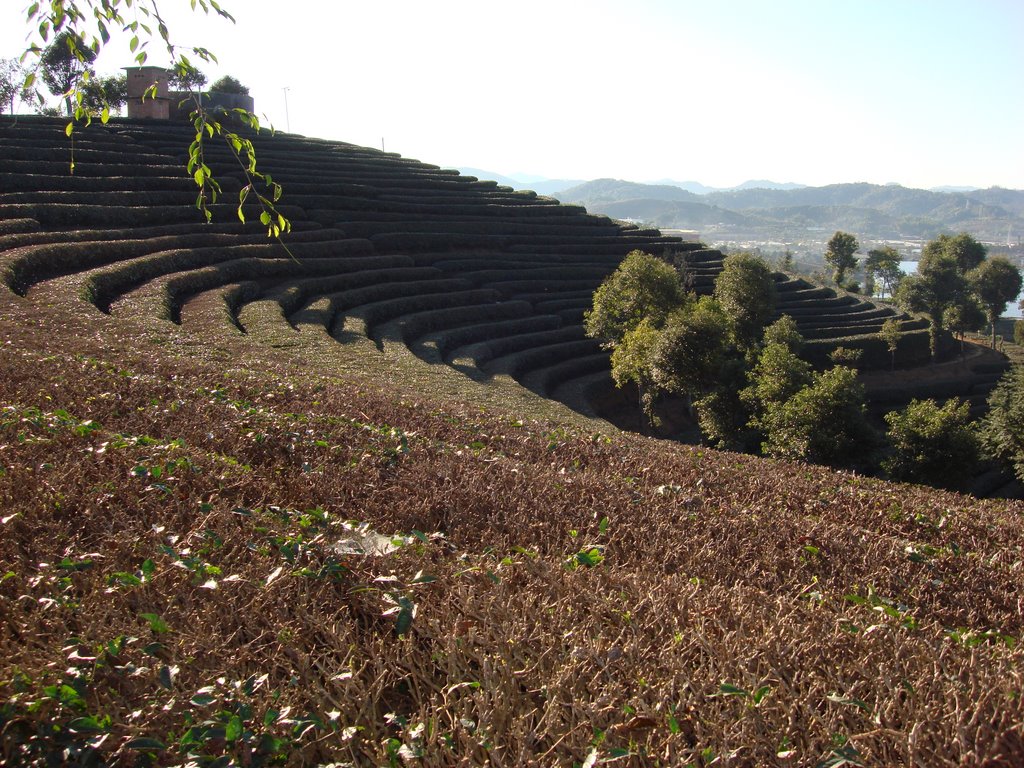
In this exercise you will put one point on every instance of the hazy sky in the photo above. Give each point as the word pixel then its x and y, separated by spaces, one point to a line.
pixel 918 92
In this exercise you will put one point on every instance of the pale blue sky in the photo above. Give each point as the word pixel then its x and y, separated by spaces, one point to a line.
pixel 919 92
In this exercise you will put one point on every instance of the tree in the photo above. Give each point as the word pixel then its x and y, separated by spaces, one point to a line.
pixel 632 363
pixel 890 334
pixel 937 286
pixel 722 416
pixel 642 286
pixel 823 423
pixel 65 63
pixel 228 84
pixel 188 79
pixel 839 254
pixel 995 282
pixel 11 80
pixel 784 331
pixel 109 92
pixel 884 263
pixel 777 376
pixel 932 444
pixel 963 249
pixel 691 349
pixel 1002 429
pixel 745 289
pixel 966 315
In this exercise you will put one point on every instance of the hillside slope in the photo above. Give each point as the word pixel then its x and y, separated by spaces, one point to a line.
pixel 283 546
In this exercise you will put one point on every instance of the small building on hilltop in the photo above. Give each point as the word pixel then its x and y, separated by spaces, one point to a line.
pixel 150 96
pixel 143 101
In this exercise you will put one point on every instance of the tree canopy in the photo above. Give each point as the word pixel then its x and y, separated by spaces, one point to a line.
pixel 996 282
pixel 64 63
pixel 642 287
pixel 110 92
pixel 1002 430
pixel 187 79
pixel 632 362
pixel 824 422
pixel 932 444
pixel 745 289
pixel 11 80
pixel 692 348
pixel 962 248
pixel 884 263
pixel 228 84
pixel 937 286
pixel 839 254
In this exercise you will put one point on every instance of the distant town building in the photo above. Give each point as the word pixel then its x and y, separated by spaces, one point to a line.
pixel 166 104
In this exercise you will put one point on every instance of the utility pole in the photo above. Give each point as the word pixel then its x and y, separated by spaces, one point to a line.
pixel 287 120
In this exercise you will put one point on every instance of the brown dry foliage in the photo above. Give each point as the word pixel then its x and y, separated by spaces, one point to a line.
pixel 175 587
pixel 717 625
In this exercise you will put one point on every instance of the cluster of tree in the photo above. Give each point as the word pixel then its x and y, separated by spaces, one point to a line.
pixel 959 287
pixel 743 383
pixel 882 265
pixel 66 68
pixel 747 387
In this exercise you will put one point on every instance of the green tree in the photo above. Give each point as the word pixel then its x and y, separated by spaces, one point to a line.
pixel 108 92
pixel 966 315
pixel 228 84
pixel 890 334
pixel 188 78
pixel 839 254
pixel 632 363
pixel 745 289
pixel 937 286
pixel 884 264
pixel 932 444
pixel 776 377
pixel 722 416
pixel 995 282
pixel 692 349
pixel 642 286
pixel 11 80
pixel 823 423
pixel 1002 429
pixel 1018 332
pixel 967 252
pixel 784 331
pixel 65 63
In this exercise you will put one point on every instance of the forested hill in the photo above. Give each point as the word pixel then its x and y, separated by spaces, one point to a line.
pixel 881 211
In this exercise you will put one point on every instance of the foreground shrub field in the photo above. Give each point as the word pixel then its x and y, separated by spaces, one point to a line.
pixel 245 563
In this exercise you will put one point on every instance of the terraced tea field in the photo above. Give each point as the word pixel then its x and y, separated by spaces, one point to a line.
pixel 348 504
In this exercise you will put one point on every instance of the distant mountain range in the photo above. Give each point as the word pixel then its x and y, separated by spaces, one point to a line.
pixel 538 184
pixel 870 211
pixel 545 186
pixel 768 210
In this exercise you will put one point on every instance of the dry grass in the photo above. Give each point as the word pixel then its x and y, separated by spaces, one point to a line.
pixel 240 541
